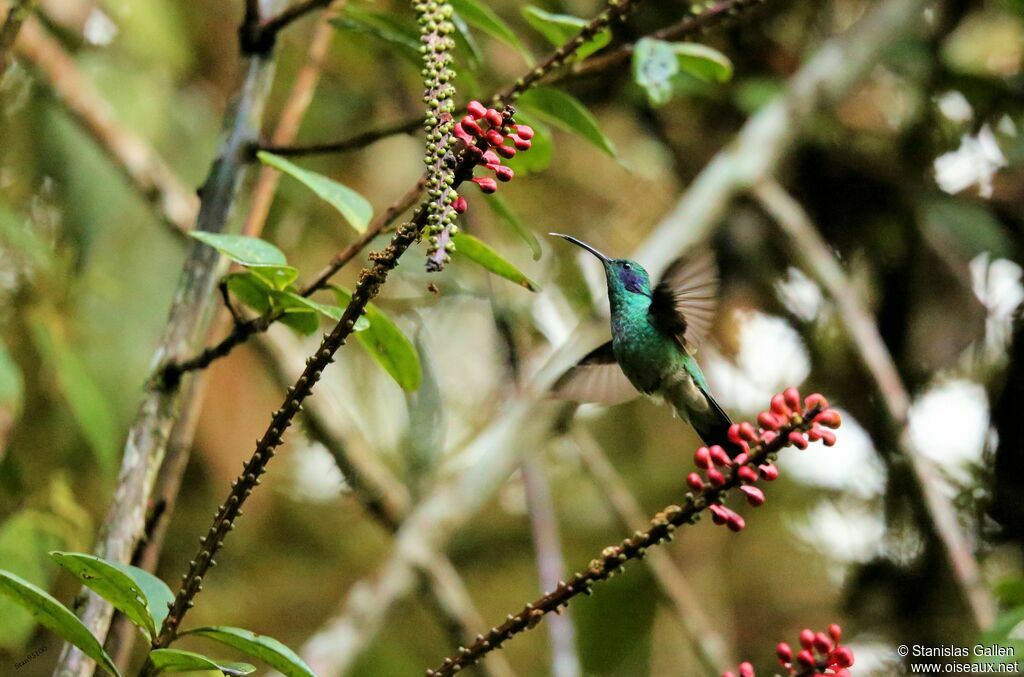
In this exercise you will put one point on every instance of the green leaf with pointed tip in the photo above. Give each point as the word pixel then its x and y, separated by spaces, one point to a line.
pixel 560 28
pixel 353 206
pixel 567 113
pixel 383 27
pixel 259 256
pixel 176 660
pixel 702 62
pixel 158 595
pixel 505 213
pixel 116 586
pixel 252 290
pixel 56 617
pixel 654 65
pixel 538 158
pixel 481 16
pixel 267 649
pixel 388 344
pixel 477 251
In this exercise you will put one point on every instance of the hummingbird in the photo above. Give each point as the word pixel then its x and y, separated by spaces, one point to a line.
pixel 655 333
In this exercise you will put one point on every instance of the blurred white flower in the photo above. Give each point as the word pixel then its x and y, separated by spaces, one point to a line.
pixel 955 106
pixel 975 162
pixel 852 465
pixel 875 657
pixel 800 294
pixel 314 475
pixel 846 534
pixel 949 425
pixel 997 284
pixel 99 29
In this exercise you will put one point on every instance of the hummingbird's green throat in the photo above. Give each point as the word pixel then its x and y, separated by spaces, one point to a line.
pixel 655 333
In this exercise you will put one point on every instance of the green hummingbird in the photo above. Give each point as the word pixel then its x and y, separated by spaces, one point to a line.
pixel 655 333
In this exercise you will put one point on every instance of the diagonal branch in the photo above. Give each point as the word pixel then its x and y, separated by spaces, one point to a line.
pixel 17 13
pixel 816 257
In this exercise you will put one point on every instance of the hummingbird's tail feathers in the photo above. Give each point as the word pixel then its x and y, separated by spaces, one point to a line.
pixel 596 378
pixel 713 426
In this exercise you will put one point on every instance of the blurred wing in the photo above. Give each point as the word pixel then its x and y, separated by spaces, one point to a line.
pixel 596 378
pixel 684 302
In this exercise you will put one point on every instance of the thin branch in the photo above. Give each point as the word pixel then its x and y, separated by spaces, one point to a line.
pixel 816 257
pixel 17 13
pixel 613 558
pixel 151 177
pixel 406 126
pixel 708 644
pixel 191 314
pixel 266 33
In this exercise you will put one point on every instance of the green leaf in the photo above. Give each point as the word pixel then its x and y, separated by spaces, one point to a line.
pixel 654 66
pixel 383 27
pixel 259 256
pixel 175 660
pixel 388 345
pixel 504 212
pixel 541 152
pixel 481 16
pixel 477 251
pixel 703 62
pixel 302 320
pixel 466 42
pixel 296 303
pixel 560 28
pixel 55 616
pixel 112 584
pixel 267 649
pixel 567 113
pixel 87 403
pixel 158 595
pixel 250 289
pixel 353 206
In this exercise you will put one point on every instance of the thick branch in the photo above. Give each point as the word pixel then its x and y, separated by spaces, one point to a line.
pixel 816 257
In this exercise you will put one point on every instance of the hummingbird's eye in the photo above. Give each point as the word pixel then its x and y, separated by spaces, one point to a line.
pixel 627 266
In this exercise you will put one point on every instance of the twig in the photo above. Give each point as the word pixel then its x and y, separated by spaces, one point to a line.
pixel 708 644
pixel 814 255
pixel 132 155
pixel 17 13
pixel 190 317
pixel 269 28
pixel 612 559
pixel 406 126
pixel 380 493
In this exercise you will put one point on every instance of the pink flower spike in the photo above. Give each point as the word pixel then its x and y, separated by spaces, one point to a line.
pixel 741 459
pixel 797 440
pixel 476 109
pixel 719 455
pixel 807 639
pixel 524 132
pixel 829 418
pixel 504 173
pixel 493 117
pixel 734 433
pixel 768 420
pixel 769 472
pixel 779 407
pixel 835 632
pixel 460 205
pixel 470 125
pixel 755 497
pixel 747 474
pixel 694 481
pixel 822 644
pixel 784 653
pixel 746 670
pixel 702 457
pixel 486 183
pixel 506 151
pixel 792 397
pixel 521 144
pixel 815 400
pixel 715 477
pixel 735 522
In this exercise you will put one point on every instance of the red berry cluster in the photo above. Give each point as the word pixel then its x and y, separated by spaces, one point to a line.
pixel 820 655
pixel 787 412
pixel 485 132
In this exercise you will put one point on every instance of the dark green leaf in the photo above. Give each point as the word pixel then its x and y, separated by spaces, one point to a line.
pixel 387 344
pixel 702 62
pixel 481 16
pixel 86 401
pixel 353 206
pixel 560 28
pixel 158 595
pixel 383 27
pixel 55 616
pixel 567 113
pixel 302 320
pixel 504 212
pixel 267 649
pixel 477 251
pixel 113 585
pixel 250 289
pixel 175 660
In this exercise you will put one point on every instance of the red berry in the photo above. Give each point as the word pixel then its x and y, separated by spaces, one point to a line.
pixel 719 455
pixel 476 109
pixel 828 438
pixel 506 151
pixel 460 205
pixel 524 132
pixel 779 407
pixel 792 397
pixel 734 433
pixel 504 173
pixel 807 638
pixel 702 457
pixel 461 134
pixel 521 144
pixel 815 400
pixel 822 644
pixel 719 513
pixel 486 183
pixel 805 658
pixel 768 436
pixel 769 472
pixel 843 672
pixel 829 418
pixel 495 138
pixel 741 459
pixel 493 117
pixel 746 473
pixel 470 125
pixel 746 670
pixel 727 673
pixel 835 632
pixel 735 522
pixel 768 420
pixel 715 477
pixel 797 440
pixel 747 432
pixel 842 656
pixel 755 497
pixel 784 653
pixel 694 481
pixel 491 158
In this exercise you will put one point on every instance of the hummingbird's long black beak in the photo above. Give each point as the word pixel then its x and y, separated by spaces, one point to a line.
pixel 581 243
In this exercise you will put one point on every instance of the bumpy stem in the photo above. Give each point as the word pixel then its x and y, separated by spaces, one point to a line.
pixel 613 558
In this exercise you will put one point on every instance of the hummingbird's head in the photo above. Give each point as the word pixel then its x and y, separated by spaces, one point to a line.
pixel 623 275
